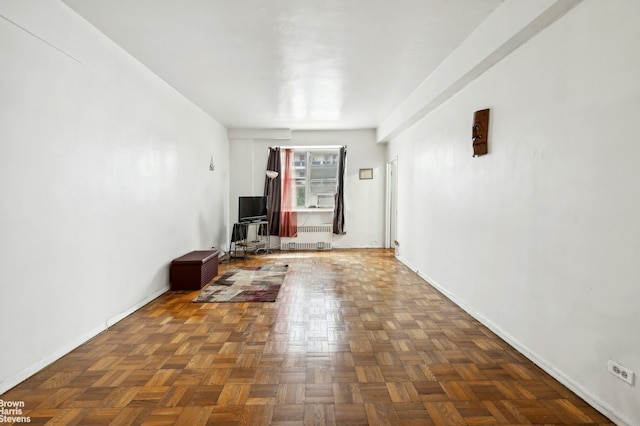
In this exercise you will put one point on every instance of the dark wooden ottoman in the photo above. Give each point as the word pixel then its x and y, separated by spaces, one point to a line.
pixel 193 270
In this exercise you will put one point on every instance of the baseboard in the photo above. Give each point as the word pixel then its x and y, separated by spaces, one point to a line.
pixel 549 368
pixel 114 320
pixel 64 350
pixel 356 247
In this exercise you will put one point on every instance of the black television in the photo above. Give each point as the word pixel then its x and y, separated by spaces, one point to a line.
pixel 252 209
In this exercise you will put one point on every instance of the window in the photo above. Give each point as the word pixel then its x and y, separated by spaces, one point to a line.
pixel 316 175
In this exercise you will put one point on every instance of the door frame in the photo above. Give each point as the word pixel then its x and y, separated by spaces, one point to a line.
pixel 391 205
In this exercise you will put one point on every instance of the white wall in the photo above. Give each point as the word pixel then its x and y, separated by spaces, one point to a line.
pixel 104 180
pixel 540 238
pixel 364 198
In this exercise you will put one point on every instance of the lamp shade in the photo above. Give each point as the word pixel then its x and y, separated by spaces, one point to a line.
pixel 271 174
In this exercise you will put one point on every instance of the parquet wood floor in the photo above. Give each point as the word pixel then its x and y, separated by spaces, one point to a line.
pixel 355 338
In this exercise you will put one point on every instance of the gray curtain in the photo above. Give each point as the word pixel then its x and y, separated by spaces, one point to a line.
pixel 338 211
pixel 273 191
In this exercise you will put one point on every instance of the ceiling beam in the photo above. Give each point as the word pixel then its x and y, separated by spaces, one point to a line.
pixel 510 26
pixel 284 134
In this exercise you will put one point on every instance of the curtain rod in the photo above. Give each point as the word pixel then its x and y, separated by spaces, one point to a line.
pixel 307 147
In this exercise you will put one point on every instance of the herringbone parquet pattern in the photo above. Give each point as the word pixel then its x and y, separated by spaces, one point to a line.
pixel 355 338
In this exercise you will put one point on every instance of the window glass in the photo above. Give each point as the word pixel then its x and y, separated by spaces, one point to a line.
pixel 316 178
pixel 300 167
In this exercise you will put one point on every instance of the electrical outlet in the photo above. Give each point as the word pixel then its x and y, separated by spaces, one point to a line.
pixel 620 372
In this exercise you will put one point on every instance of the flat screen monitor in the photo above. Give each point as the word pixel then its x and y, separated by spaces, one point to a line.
pixel 252 209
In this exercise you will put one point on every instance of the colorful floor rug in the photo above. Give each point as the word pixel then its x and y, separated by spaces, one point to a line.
pixel 249 284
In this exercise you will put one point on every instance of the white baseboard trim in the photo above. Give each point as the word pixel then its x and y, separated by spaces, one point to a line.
pixel 114 320
pixel 549 368
pixel 65 349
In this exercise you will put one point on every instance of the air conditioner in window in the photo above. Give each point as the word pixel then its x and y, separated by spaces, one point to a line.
pixel 324 200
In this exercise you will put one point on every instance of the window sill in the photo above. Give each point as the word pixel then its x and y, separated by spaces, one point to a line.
pixel 316 209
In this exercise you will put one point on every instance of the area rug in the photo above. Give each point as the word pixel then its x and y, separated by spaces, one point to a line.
pixel 249 284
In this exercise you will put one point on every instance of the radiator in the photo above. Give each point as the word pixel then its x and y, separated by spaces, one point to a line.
pixel 310 237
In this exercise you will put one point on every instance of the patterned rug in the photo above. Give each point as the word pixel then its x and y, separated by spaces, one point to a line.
pixel 250 284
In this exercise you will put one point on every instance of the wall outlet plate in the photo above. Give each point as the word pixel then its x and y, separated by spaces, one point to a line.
pixel 621 372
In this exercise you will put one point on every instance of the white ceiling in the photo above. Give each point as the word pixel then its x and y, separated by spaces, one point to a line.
pixel 298 64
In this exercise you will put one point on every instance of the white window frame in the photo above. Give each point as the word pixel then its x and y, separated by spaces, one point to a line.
pixel 310 203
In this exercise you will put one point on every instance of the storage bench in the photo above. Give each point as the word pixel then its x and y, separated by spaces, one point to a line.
pixel 193 270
